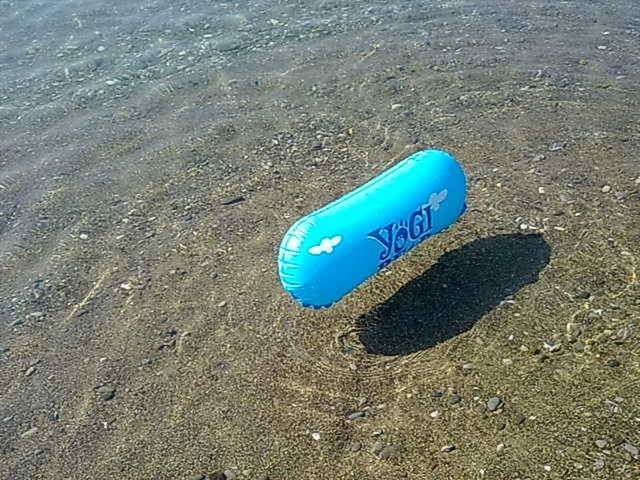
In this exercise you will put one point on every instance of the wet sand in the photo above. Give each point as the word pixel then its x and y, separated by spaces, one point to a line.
pixel 148 174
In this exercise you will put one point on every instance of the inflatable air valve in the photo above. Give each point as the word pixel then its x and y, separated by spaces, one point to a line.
pixel 331 251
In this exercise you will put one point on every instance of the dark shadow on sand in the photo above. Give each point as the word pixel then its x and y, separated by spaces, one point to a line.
pixel 453 294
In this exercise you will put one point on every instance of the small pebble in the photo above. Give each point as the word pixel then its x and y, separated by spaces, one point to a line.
pixel 230 475
pixel 455 398
pixel 520 419
pixel 500 447
pixel 601 443
pixel 434 414
pixel 377 447
pixel 613 363
pixel 222 304
pixel 356 415
pixel 556 147
pixel 436 394
pixel 390 451
pixel 29 432
pixel 599 464
pixel 218 476
pixel 632 449
pixel 494 403
pixel 606 189
pixel 467 367
pixel 541 357
pixel 538 158
pixel 572 327
pixel 30 371
pixel 315 436
pixel 355 447
pixel 614 408
pixel 106 392
pixel 583 295
pixel 578 347
pixel 547 468
pixel 618 441
pixel 448 448
pixel 551 346
pixel 197 477
pixel 507 362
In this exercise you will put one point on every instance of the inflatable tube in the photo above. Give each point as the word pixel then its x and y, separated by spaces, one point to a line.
pixel 331 251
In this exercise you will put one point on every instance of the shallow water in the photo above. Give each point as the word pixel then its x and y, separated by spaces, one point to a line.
pixel 151 156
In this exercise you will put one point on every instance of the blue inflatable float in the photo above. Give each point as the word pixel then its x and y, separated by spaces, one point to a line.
pixel 331 251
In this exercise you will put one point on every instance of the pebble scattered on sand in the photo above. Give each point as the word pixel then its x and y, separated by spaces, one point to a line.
pixel 222 304
pixel 507 362
pixel 377 447
pixel 233 200
pixel 197 477
pixel 218 476
pixel 434 414
pixel 613 407
pixel 467 368
pixel 390 451
pixel 539 157
pixel 356 415
pixel 455 398
pixel 582 295
pixel 556 147
pixel 106 392
pixel 230 475
pixel 613 363
pixel 494 403
pixel 578 347
pixel 316 436
pixel 30 371
pixel 355 446
pixel 632 449
pixel 606 189
pixel 601 443
pixel 598 464
pixel 29 433
pixel 552 346
pixel 448 448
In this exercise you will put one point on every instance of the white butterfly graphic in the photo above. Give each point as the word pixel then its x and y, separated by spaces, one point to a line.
pixel 326 245
pixel 436 199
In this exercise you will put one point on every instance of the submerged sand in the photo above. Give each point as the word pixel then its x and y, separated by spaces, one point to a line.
pixel 143 330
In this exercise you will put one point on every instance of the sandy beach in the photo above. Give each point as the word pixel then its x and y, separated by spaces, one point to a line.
pixel 153 154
